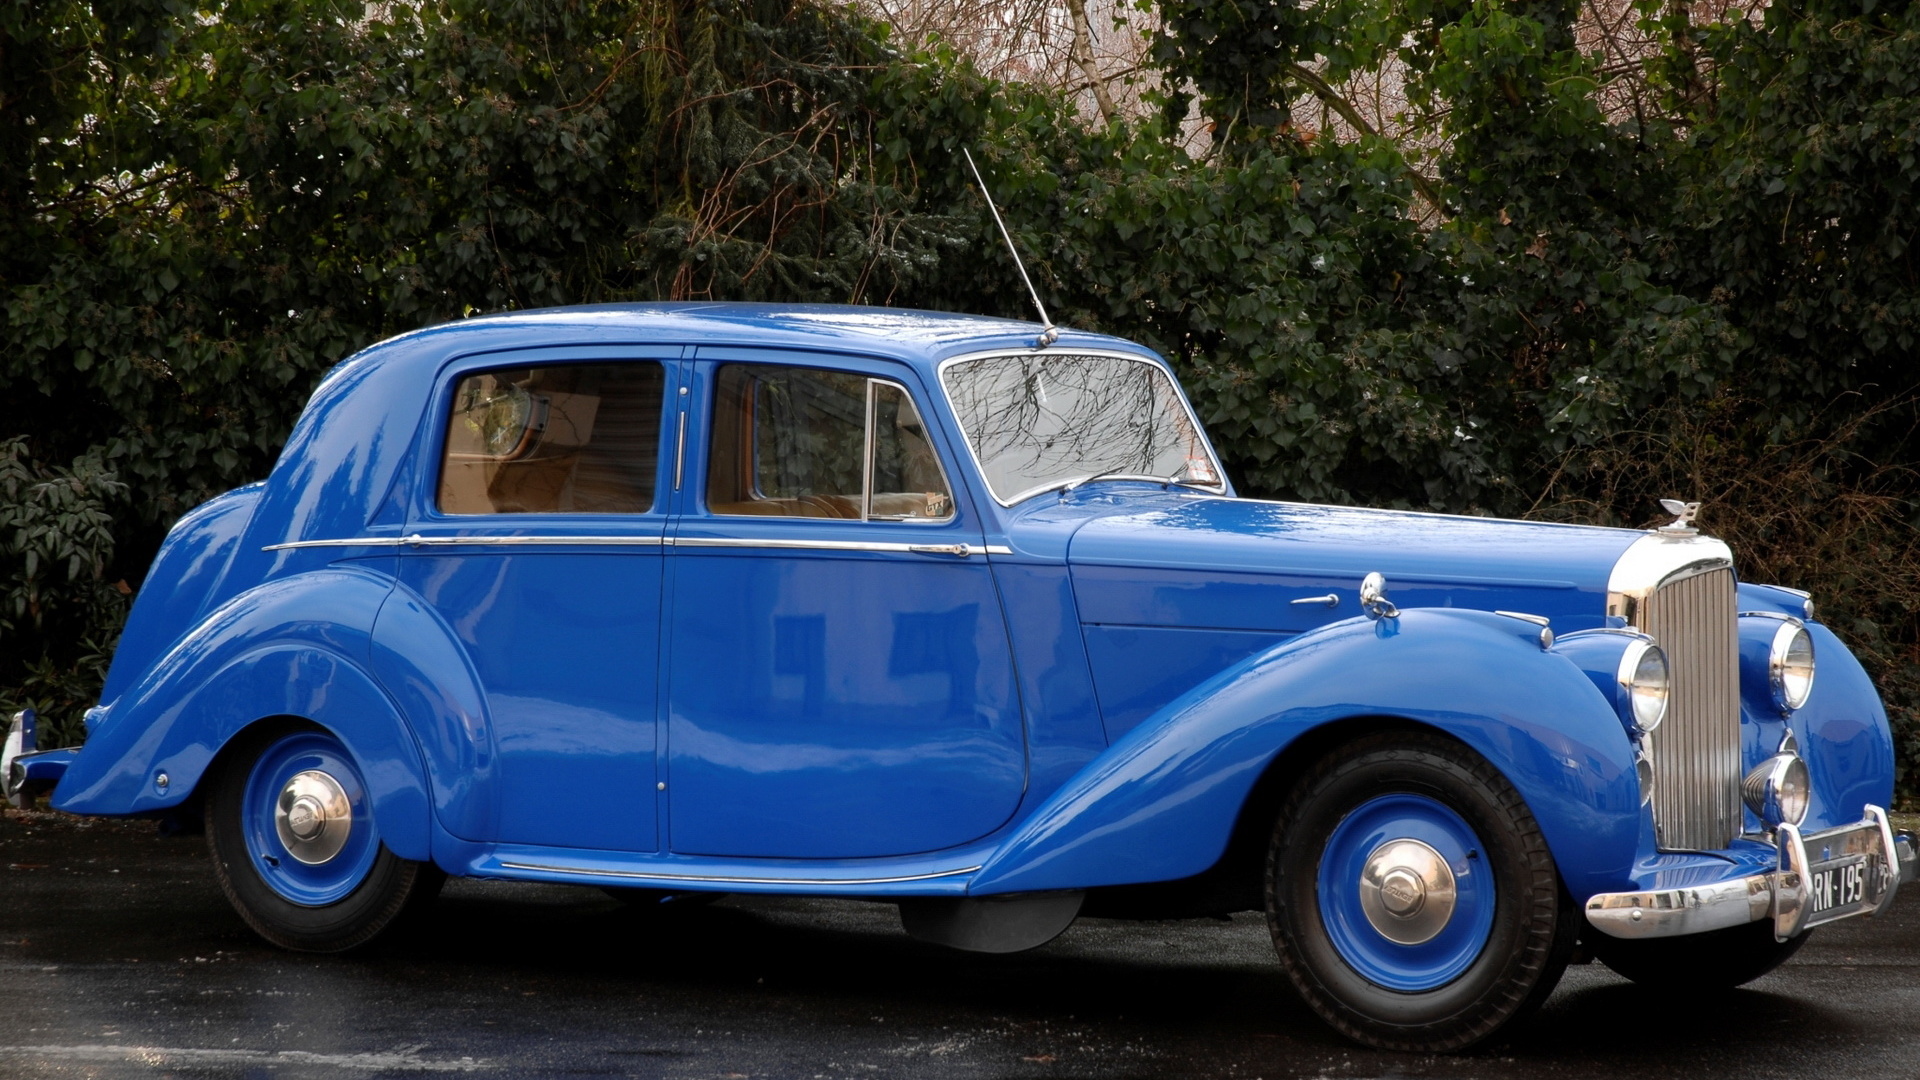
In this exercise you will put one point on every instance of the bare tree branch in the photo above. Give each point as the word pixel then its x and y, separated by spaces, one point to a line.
pixel 1082 53
pixel 1352 116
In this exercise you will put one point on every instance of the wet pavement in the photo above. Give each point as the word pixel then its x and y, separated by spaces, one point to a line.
pixel 120 958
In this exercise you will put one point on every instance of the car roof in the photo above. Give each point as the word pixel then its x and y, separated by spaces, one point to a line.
pixel 921 338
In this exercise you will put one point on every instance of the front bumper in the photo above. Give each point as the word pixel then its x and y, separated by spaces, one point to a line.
pixel 1884 862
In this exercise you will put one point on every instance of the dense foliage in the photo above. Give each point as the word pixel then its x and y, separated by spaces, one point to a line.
pixel 1533 300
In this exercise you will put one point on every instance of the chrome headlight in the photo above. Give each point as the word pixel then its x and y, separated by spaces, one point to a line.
pixel 1778 790
pixel 1643 675
pixel 1790 666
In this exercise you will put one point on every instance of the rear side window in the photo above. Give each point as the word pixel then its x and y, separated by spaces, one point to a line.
pixel 802 442
pixel 560 439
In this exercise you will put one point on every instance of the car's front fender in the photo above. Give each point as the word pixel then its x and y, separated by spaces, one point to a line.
pixel 1162 802
pixel 293 647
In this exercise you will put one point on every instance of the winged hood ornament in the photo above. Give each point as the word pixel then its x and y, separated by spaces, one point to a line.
pixel 1682 524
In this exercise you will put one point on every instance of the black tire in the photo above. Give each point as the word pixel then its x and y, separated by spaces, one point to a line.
pixel 1717 960
pixel 387 889
pixel 1527 938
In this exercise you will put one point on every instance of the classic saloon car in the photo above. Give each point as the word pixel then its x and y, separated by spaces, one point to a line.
pixel 677 599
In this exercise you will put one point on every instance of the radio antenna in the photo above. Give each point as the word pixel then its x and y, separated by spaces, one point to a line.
pixel 1049 333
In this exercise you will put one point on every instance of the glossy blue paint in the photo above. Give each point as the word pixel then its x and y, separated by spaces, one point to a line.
pixel 1843 736
pixel 296 646
pixel 1234 564
pixel 1598 653
pixel 417 657
pixel 188 572
pixel 1411 968
pixel 565 646
pixel 555 740
pixel 830 704
pixel 1162 802
pixel 308 885
pixel 1064 732
pixel 1139 669
pixel 943 873
pixel 44 768
pixel 876 723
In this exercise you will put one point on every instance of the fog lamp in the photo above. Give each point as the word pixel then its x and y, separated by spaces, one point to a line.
pixel 1778 790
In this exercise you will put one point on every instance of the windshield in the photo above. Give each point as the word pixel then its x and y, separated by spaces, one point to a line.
pixel 1040 420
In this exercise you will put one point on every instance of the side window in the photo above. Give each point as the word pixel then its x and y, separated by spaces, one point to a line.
pixel 563 439
pixel 801 442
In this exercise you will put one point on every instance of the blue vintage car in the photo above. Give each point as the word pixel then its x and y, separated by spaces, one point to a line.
pixel 688 599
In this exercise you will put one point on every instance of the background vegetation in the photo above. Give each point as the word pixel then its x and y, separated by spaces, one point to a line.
pixel 1550 258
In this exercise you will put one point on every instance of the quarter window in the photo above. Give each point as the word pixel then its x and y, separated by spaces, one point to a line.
pixel 801 442
pixel 561 439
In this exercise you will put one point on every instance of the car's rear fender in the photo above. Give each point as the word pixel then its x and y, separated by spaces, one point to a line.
pixel 1163 801
pixel 188 571
pixel 295 647
pixel 420 660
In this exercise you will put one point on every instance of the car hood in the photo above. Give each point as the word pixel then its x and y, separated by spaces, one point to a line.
pixel 1242 563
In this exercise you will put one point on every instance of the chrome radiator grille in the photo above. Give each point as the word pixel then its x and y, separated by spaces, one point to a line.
pixel 1696 752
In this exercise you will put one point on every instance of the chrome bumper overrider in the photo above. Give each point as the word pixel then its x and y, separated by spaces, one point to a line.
pixel 1780 895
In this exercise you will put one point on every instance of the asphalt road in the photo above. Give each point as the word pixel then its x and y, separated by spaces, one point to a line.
pixel 119 958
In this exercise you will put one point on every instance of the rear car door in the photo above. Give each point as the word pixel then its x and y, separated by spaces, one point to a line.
pixel 536 538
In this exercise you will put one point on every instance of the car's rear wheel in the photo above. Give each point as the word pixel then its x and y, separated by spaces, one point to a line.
pixel 294 844
pixel 1411 897
pixel 1717 960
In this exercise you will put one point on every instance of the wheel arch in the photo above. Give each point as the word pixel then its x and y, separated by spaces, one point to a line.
pixel 1184 792
pixel 287 649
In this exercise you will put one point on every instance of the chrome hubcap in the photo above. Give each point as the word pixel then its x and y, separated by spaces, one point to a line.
pixel 1407 891
pixel 313 817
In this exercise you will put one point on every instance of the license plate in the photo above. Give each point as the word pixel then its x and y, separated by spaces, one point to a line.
pixel 1841 883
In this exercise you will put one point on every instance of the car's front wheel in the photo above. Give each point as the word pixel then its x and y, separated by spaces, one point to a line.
pixel 294 845
pixel 1411 896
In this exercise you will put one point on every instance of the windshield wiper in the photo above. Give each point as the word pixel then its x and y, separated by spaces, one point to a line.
pixel 1181 478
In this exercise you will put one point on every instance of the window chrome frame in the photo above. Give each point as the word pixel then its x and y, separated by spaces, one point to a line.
pixel 866 460
pixel 432 437
pixel 1180 392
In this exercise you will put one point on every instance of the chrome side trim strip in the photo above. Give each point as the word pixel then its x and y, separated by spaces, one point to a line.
pixel 453 541
pixel 720 880
pixel 963 550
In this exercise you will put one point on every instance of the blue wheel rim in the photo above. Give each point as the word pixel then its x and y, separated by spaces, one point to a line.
pixel 1430 964
pixel 309 885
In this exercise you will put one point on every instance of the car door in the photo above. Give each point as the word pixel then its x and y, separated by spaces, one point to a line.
pixel 840 680
pixel 536 538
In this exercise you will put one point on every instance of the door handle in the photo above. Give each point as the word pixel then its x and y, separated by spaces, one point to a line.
pixel 962 550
